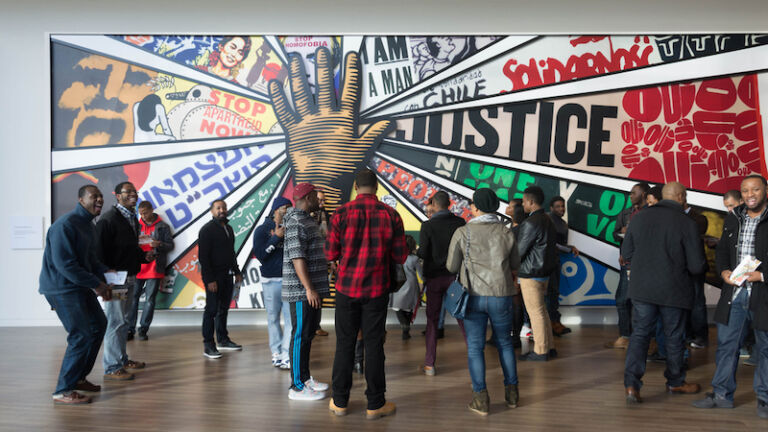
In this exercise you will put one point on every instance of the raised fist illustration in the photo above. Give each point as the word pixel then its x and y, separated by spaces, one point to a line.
pixel 324 143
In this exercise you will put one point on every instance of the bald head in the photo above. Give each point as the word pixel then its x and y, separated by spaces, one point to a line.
pixel 674 191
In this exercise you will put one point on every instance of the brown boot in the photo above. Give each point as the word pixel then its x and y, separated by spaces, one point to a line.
pixel 559 329
pixel 511 395
pixel 389 408
pixel 480 402
pixel 653 348
pixel 620 343
pixel 685 388
pixel 632 395
pixel 70 398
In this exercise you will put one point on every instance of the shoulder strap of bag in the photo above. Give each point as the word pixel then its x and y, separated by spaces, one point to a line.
pixel 467 260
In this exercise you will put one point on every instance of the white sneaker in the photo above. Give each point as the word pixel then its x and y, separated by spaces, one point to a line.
pixel 276 360
pixel 285 364
pixel 316 385
pixel 307 394
pixel 525 331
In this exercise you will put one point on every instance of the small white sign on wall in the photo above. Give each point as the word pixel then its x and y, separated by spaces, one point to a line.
pixel 27 232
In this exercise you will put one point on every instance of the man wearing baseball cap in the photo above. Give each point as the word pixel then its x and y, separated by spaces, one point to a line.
pixel 268 249
pixel 305 283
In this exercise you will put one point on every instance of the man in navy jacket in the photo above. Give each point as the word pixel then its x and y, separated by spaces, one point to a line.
pixel 268 249
pixel 70 279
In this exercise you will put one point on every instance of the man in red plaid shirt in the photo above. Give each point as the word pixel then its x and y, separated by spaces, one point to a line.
pixel 365 237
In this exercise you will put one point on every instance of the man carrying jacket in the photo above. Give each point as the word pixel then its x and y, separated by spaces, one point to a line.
pixel 745 234
pixel 536 245
pixel 70 279
pixel 664 249
pixel 118 248
pixel 434 239
pixel 154 235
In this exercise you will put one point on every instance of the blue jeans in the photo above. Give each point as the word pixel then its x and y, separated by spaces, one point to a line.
pixel 150 287
pixel 644 317
pixel 85 323
pixel 279 337
pixel 623 304
pixel 499 310
pixel 116 336
pixel 729 340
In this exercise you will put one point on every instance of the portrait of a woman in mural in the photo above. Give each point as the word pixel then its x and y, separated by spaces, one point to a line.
pixel 227 59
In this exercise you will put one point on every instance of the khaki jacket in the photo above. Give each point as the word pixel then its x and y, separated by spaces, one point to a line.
pixel 493 257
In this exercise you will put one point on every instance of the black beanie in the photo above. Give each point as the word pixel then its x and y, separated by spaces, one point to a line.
pixel 486 200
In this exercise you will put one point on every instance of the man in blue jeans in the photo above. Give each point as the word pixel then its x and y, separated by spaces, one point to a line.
pixel 660 286
pixel 70 279
pixel 745 234
pixel 268 249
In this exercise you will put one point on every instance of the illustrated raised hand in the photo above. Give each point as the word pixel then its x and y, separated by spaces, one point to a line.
pixel 324 144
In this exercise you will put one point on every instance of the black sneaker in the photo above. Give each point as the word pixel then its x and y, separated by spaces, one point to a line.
pixel 229 346
pixel 532 356
pixel 440 333
pixel 143 336
pixel 129 337
pixel 211 352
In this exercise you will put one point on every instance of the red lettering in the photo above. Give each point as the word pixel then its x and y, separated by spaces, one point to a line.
pixel 222 130
pixel 207 127
pixel 747 87
pixel 228 99
pixel 643 104
pixel 258 108
pixel 242 105
pixel 214 99
pixel 716 95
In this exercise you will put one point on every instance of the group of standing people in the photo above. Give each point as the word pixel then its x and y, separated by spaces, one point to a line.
pixel 661 257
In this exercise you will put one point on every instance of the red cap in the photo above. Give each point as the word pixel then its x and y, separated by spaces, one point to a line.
pixel 302 189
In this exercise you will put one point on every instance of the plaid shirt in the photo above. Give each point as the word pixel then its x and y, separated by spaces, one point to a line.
pixel 365 235
pixel 746 245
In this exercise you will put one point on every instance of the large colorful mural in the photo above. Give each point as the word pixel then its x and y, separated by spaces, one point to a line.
pixel 191 119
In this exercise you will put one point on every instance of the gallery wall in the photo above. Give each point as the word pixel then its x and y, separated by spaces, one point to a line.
pixel 657 107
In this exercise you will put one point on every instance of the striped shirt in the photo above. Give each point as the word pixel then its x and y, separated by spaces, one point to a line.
pixel 746 245
pixel 303 240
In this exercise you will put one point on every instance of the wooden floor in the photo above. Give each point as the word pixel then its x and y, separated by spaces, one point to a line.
pixel 180 390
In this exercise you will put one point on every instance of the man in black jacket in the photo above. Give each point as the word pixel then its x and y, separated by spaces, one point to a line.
pixel 536 244
pixel 664 250
pixel 745 234
pixel 434 239
pixel 218 264
pixel 117 233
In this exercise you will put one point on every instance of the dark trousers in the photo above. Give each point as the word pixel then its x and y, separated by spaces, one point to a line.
pixel 553 295
pixel 697 327
pixel 624 304
pixel 150 287
pixel 370 316
pixel 85 323
pixel 304 321
pixel 644 317
pixel 436 288
pixel 216 310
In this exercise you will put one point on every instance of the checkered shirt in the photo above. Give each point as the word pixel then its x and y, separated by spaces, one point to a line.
pixel 303 240
pixel 365 236
pixel 746 245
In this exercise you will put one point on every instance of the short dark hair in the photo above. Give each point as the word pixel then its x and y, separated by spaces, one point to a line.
pixel 555 199
pixel 756 176
pixel 656 192
pixel 732 194
pixel 366 178
pixel 518 213
pixel 441 199
pixel 83 189
pixel 120 185
pixel 411 243
pixel 146 204
pixel 215 201
pixel 643 186
pixel 535 194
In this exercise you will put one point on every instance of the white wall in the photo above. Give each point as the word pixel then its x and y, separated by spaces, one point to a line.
pixel 24 74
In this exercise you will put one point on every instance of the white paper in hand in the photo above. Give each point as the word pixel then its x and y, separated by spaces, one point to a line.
pixel 748 264
pixel 116 278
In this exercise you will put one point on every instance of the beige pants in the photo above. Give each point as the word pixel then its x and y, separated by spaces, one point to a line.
pixel 534 295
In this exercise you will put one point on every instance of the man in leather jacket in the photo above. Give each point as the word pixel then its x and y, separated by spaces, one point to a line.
pixel 537 248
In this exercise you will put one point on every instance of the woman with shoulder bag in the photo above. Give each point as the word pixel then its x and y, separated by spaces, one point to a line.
pixel 484 254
